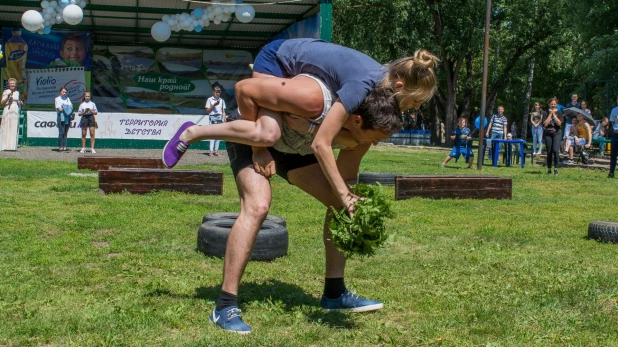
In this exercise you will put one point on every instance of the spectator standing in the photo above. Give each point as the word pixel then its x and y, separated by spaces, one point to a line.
pixel 10 117
pixel 536 116
pixel 574 102
pixel 614 151
pixel 600 134
pixel 461 144
pixel 87 109
pixel 63 120
pixel 497 127
pixel 552 123
pixel 215 108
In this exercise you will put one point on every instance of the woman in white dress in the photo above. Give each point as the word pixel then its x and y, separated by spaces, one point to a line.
pixel 10 117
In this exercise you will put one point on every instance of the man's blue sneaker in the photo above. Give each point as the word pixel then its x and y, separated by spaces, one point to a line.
pixel 350 302
pixel 229 319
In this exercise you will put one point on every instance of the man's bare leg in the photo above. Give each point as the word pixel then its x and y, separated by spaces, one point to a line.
pixel 336 297
pixel 255 197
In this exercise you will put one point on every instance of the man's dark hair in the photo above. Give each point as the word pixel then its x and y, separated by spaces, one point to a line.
pixel 380 111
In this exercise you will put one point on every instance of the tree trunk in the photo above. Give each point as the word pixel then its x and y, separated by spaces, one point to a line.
pixel 436 135
pixel 524 121
pixel 466 110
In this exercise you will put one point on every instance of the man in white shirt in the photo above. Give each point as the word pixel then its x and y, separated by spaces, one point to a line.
pixel 215 108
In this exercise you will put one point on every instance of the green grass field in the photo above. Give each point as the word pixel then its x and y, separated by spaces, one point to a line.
pixel 83 269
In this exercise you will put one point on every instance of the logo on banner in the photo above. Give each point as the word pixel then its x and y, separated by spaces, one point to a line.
pixel 164 83
pixel 75 90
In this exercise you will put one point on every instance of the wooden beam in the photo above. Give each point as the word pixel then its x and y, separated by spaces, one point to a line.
pixel 453 187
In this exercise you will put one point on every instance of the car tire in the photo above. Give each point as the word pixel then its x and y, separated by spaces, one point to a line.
pixel 271 241
pixel 603 231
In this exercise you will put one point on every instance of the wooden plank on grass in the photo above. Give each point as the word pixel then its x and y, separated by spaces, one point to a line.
pixel 141 181
pixel 453 187
pixel 104 163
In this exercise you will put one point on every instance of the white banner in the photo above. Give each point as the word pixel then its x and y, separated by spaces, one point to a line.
pixel 121 126
pixel 44 84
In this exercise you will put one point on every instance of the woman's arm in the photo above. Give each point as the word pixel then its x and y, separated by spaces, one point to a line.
pixel 321 146
pixel 589 130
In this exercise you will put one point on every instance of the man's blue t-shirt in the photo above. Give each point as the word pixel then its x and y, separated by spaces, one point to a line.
pixel 461 137
pixel 348 73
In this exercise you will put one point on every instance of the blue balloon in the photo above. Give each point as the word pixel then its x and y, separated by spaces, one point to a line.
pixel 560 107
pixel 198 28
pixel 65 3
pixel 477 122
pixel 47 30
pixel 198 13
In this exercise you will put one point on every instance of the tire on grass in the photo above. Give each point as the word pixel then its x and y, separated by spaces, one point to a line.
pixel 385 179
pixel 603 231
pixel 271 241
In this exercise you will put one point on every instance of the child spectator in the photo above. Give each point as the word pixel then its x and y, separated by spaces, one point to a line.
pixel 72 51
pixel 461 140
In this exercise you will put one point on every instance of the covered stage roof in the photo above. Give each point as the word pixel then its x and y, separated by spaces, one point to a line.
pixel 118 22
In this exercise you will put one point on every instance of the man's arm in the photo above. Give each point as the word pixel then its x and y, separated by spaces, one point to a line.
pixel 322 147
pixel 491 123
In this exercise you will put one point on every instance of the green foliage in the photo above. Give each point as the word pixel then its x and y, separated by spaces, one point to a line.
pixel 366 232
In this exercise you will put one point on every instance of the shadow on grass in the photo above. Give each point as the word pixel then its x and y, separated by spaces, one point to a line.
pixel 289 296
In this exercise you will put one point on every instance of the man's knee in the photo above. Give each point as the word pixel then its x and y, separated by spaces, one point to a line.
pixel 256 210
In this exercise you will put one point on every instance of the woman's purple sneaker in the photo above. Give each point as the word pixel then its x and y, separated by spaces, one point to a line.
pixel 175 148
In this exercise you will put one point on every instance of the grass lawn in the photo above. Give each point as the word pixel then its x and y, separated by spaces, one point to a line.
pixel 78 268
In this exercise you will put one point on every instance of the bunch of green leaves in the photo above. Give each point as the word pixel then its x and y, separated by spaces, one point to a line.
pixel 363 234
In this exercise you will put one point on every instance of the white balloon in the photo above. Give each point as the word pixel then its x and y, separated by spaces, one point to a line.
pixel 205 16
pixel 58 18
pixel 161 31
pixel 32 20
pixel 53 4
pixel 211 15
pixel 218 15
pixel 166 18
pixel 52 21
pixel 73 2
pixel 245 13
pixel 73 14
pixel 46 16
pixel 41 31
pixel 49 10
pixel 44 4
pixel 218 10
pixel 46 23
pixel 225 17
pixel 82 4
pixel 217 21
pixel 206 23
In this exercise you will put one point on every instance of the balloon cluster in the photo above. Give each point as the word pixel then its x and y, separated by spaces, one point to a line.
pixel 200 18
pixel 53 12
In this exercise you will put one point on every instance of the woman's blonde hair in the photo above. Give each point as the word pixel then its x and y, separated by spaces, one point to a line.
pixel 417 74
pixel 12 79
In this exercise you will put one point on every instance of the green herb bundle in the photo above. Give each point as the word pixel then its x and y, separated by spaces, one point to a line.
pixel 363 234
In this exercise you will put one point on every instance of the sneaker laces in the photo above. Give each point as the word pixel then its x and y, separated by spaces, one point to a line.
pixel 353 295
pixel 233 313
pixel 181 147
